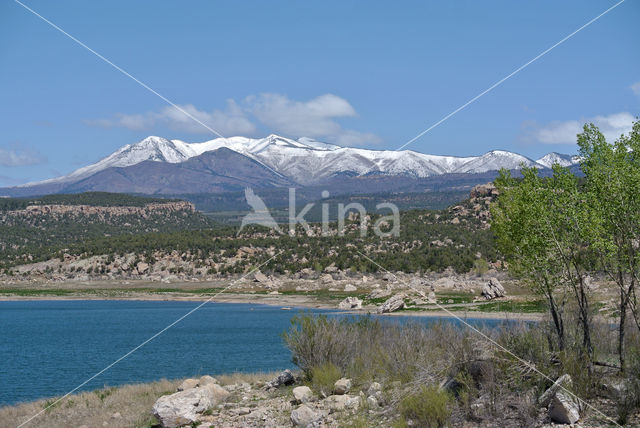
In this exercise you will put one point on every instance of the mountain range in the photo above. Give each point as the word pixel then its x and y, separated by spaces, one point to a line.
pixel 157 165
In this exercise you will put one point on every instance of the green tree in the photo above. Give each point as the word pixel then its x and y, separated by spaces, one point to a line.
pixel 613 190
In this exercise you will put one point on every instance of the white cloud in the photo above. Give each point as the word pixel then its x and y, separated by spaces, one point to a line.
pixel 636 88
pixel 13 157
pixel 315 118
pixel 231 121
pixel 565 132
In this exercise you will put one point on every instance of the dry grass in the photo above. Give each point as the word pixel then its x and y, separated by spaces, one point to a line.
pixel 252 378
pixel 93 409
pixel 96 408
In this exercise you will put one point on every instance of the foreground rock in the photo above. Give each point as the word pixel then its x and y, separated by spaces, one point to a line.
pixel 302 394
pixel 493 290
pixel 563 381
pixel 185 407
pixel 303 416
pixel 563 407
pixel 392 304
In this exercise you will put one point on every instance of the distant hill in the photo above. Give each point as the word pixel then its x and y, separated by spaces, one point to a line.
pixel 29 227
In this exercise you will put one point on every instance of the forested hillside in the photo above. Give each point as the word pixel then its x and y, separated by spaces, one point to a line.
pixel 457 237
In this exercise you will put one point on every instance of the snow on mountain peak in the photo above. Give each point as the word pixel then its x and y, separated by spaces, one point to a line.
pixel 552 158
pixel 307 161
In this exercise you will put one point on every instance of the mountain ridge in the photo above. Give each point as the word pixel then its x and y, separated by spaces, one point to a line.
pixel 277 161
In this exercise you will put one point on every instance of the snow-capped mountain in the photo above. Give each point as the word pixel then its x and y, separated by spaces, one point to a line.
pixel 273 161
pixel 306 161
pixel 550 159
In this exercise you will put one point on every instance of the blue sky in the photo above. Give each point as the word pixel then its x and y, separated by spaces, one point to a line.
pixel 372 74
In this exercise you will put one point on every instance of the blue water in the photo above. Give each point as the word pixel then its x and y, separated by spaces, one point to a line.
pixel 47 348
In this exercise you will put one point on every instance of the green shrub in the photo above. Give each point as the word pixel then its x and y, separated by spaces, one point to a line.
pixel 324 377
pixel 428 408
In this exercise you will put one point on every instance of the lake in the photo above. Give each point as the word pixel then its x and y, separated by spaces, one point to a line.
pixel 47 348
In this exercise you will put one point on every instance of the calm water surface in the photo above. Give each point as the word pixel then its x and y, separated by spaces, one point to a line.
pixel 48 348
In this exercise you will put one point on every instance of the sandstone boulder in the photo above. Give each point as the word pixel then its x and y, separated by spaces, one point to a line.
pixel 350 303
pixel 142 267
pixel 563 381
pixel 349 288
pixel 564 408
pixel 342 386
pixel 493 289
pixel 303 416
pixel 302 394
pixel 185 407
pixel 392 304
pixel 342 402
pixel 326 279
pixel 260 277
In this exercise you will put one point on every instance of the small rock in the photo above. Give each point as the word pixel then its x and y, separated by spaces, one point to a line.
pixel 243 411
pixel 302 394
pixel 342 386
pixel 303 416
pixel 326 279
pixel 374 388
pixel 350 303
pixel 564 409
pixel 284 378
pixel 342 402
pixel 431 297
pixel 392 304
pixel 116 415
pixel 142 267
pixel 372 402
pixel 389 277
pixel 260 277
pixel 349 287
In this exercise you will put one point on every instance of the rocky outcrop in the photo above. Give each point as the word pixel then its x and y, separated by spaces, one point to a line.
pixel 87 210
pixel 493 290
pixel 484 190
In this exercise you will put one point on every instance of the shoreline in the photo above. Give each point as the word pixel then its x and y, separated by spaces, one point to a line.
pixel 288 302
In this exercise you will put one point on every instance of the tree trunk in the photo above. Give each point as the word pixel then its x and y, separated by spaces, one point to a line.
pixel 557 321
pixel 623 319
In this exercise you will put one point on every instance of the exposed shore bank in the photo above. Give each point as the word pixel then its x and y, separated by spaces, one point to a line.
pixel 291 302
